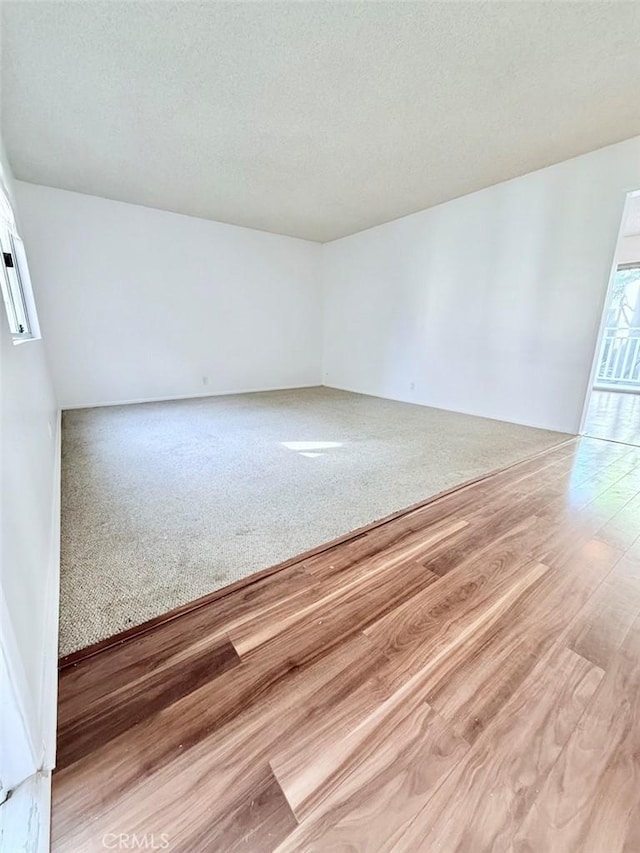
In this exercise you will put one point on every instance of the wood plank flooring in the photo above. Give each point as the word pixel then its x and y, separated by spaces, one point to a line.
pixel 464 677
pixel 615 416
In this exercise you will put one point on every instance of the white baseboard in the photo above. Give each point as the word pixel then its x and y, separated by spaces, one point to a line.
pixel 190 396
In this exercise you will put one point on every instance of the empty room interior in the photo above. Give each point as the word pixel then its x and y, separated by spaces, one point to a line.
pixel 320 426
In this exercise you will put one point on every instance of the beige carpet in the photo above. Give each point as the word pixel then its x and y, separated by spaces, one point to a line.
pixel 165 502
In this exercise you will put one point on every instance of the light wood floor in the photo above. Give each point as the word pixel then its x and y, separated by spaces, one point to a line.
pixel 465 677
pixel 614 416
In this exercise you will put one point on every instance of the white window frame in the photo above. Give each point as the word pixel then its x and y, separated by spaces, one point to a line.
pixel 15 283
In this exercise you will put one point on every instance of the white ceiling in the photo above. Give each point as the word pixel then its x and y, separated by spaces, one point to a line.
pixel 315 119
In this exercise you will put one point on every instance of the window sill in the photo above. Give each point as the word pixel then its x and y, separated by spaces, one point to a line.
pixel 24 339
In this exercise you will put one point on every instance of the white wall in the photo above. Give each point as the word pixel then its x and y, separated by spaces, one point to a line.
pixel 489 304
pixel 29 528
pixel 140 304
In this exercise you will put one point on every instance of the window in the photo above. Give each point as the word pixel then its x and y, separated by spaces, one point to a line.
pixel 12 289
pixel 16 284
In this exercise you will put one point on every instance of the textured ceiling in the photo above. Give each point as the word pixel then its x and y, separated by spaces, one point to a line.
pixel 312 119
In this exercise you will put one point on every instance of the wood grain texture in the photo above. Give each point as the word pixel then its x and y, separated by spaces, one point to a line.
pixel 591 799
pixel 498 779
pixel 132 702
pixel 464 676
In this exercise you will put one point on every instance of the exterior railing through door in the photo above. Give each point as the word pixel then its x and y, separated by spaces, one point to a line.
pixel 619 364
pixel 620 357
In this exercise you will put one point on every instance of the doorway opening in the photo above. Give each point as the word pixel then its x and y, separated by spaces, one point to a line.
pixel 613 409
